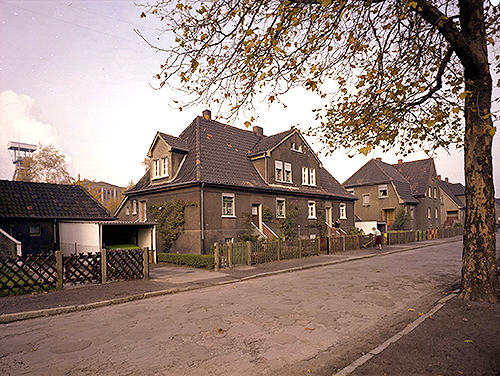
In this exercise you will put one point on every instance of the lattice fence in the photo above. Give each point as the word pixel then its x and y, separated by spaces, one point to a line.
pixel 24 274
pixel 82 268
pixel 127 264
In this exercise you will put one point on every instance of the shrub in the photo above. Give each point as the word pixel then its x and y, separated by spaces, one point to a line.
pixel 169 218
pixel 356 231
pixel 196 261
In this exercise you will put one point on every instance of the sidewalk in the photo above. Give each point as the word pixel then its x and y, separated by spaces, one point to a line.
pixel 168 279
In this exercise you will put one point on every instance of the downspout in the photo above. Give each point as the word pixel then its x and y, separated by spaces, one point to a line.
pixel 56 243
pixel 202 217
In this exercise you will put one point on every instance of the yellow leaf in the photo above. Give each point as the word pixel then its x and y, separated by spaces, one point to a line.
pixel 468 341
pixel 220 331
pixel 247 124
pixel 411 310
pixel 421 314
pixel 492 131
pixel 306 328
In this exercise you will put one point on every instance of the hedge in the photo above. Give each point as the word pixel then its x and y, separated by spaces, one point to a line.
pixel 197 261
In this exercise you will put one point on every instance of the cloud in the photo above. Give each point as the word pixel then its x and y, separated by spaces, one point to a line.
pixel 19 122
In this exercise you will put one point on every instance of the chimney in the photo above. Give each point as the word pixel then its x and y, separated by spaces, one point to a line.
pixel 446 180
pixel 207 114
pixel 259 131
pixel 400 161
pixel 379 159
pixel 439 177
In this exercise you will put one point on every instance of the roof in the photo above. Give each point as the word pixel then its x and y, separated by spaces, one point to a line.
pixel 378 172
pixel 417 173
pixel 49 201
pixel 219 154
pixel 174 142
pixel 445 187
pixel 458 189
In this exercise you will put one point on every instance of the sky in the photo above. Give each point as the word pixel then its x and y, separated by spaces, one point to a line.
pixel 75 74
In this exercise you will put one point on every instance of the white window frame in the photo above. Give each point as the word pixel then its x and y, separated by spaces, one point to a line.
pixel 343 211
pixel 278 170
pixel 305 176
pixel 436 213
pixel 311 210
pixel 429 192
pixel 164 167
pixel 435 193
pixel 143 213
pixel 412 212
pixel 350 190
pixel 381 189
pixel 312 176
pixel 156 168
pixel 224 209
pixel 296 147
pixel 134 207
pixel 283 211
pixel 288 172
pixel 429 213
pixel 367 201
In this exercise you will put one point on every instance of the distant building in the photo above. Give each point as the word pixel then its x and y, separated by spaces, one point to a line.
pixel 452 207
pixel 105 192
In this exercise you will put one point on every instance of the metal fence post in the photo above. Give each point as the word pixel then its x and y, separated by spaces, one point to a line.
pixel 343 243
pixel 59 268
pixel 249 253
pixel 278 249
pixel 145 260
pixel 300 248
pixel 104 266
pixel 216 257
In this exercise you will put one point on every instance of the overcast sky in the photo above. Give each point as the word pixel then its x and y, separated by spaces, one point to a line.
pixel 75 74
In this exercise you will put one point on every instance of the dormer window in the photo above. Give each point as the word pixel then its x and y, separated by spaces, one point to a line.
pixel 296 147
pixel 278 165
pixel 160 168
pixel 283 171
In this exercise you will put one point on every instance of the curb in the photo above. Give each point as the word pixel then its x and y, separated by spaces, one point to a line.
pixel 396 337
pixel 13 317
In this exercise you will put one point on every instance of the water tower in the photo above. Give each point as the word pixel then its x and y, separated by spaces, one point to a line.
pixel 19 151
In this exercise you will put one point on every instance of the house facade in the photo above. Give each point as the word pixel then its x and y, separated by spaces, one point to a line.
pixel 452 208
pixel 388 192
pixel 234 181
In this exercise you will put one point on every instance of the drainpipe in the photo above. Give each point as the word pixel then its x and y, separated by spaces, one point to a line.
pixel 56 243
pixel 202 217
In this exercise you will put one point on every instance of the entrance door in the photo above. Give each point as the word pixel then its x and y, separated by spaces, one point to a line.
pixel 328 216
pixel 389 216
pixel 256 215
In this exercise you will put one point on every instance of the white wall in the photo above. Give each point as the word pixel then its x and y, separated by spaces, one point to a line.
pixel 366 226
pixel 84 234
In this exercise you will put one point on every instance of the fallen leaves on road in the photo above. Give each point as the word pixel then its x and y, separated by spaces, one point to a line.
pixel 220 330
pixel 411 310
pixel 464 319
pixel 431 317
pixel 309 370
pixel 306 328
pixel 421 314
pixel 469 341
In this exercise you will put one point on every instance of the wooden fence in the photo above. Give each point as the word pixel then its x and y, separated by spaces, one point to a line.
pixel 26 274
pixel 249 253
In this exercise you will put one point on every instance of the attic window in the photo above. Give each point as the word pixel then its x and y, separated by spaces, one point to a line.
pixel 278 166
pixel 308 176
pixel 35 230
pixel 160 168
pixel 382 191
pixel 296 147
pixel 288 172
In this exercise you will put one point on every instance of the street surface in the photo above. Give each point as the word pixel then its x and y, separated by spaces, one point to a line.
pixel 312 321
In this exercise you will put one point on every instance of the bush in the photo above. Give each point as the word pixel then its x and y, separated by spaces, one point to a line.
pixel 356 231
pixel 196 261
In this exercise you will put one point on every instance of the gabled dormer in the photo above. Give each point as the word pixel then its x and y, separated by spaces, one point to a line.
pixel 286 159
pixel 166 155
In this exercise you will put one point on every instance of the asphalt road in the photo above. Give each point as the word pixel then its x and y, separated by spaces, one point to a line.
pixel 312 321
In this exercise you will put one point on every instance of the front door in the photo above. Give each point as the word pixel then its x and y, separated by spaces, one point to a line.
pixel 389 216
pixel 256 215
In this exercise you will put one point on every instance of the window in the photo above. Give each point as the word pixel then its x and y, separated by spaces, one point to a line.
pixel 288 172
pixel 429 213
pixel 228 205
pixel 134 207
pixel 312 176
pixel 280 208
pixel 160 167
pixel 436 213
pixel 442 199
pixel 164 166
pixel 350 190
pixel 296 147
pixel 435 192
pixel 127 211
pixel 429 192
pixel 308 176
pixel 35 230
pixel 278 165
pixel 311 210
pixel 142 211
pixel 382 191
pixel 412 213
pixel 156 168
pixel 366 200
pixel 343 211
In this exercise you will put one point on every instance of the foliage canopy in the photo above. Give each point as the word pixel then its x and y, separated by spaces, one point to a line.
pixel 45 165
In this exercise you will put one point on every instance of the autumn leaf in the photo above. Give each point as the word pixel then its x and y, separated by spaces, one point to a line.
pixel 306 328
pixel 411 310
pixel 220 330
pixel 469 341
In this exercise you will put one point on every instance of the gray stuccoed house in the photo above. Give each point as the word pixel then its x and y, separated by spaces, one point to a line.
pixel 230 177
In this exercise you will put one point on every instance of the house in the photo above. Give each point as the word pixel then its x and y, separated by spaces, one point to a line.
pixel 497 211
pixel 390 193
pixel 47 217
pixel 106 193
pixel 234 179
pixel 452 208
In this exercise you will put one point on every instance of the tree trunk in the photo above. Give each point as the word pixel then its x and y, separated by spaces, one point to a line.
pixel 479 272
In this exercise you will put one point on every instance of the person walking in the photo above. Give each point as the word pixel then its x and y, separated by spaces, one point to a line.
pixel 378 238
